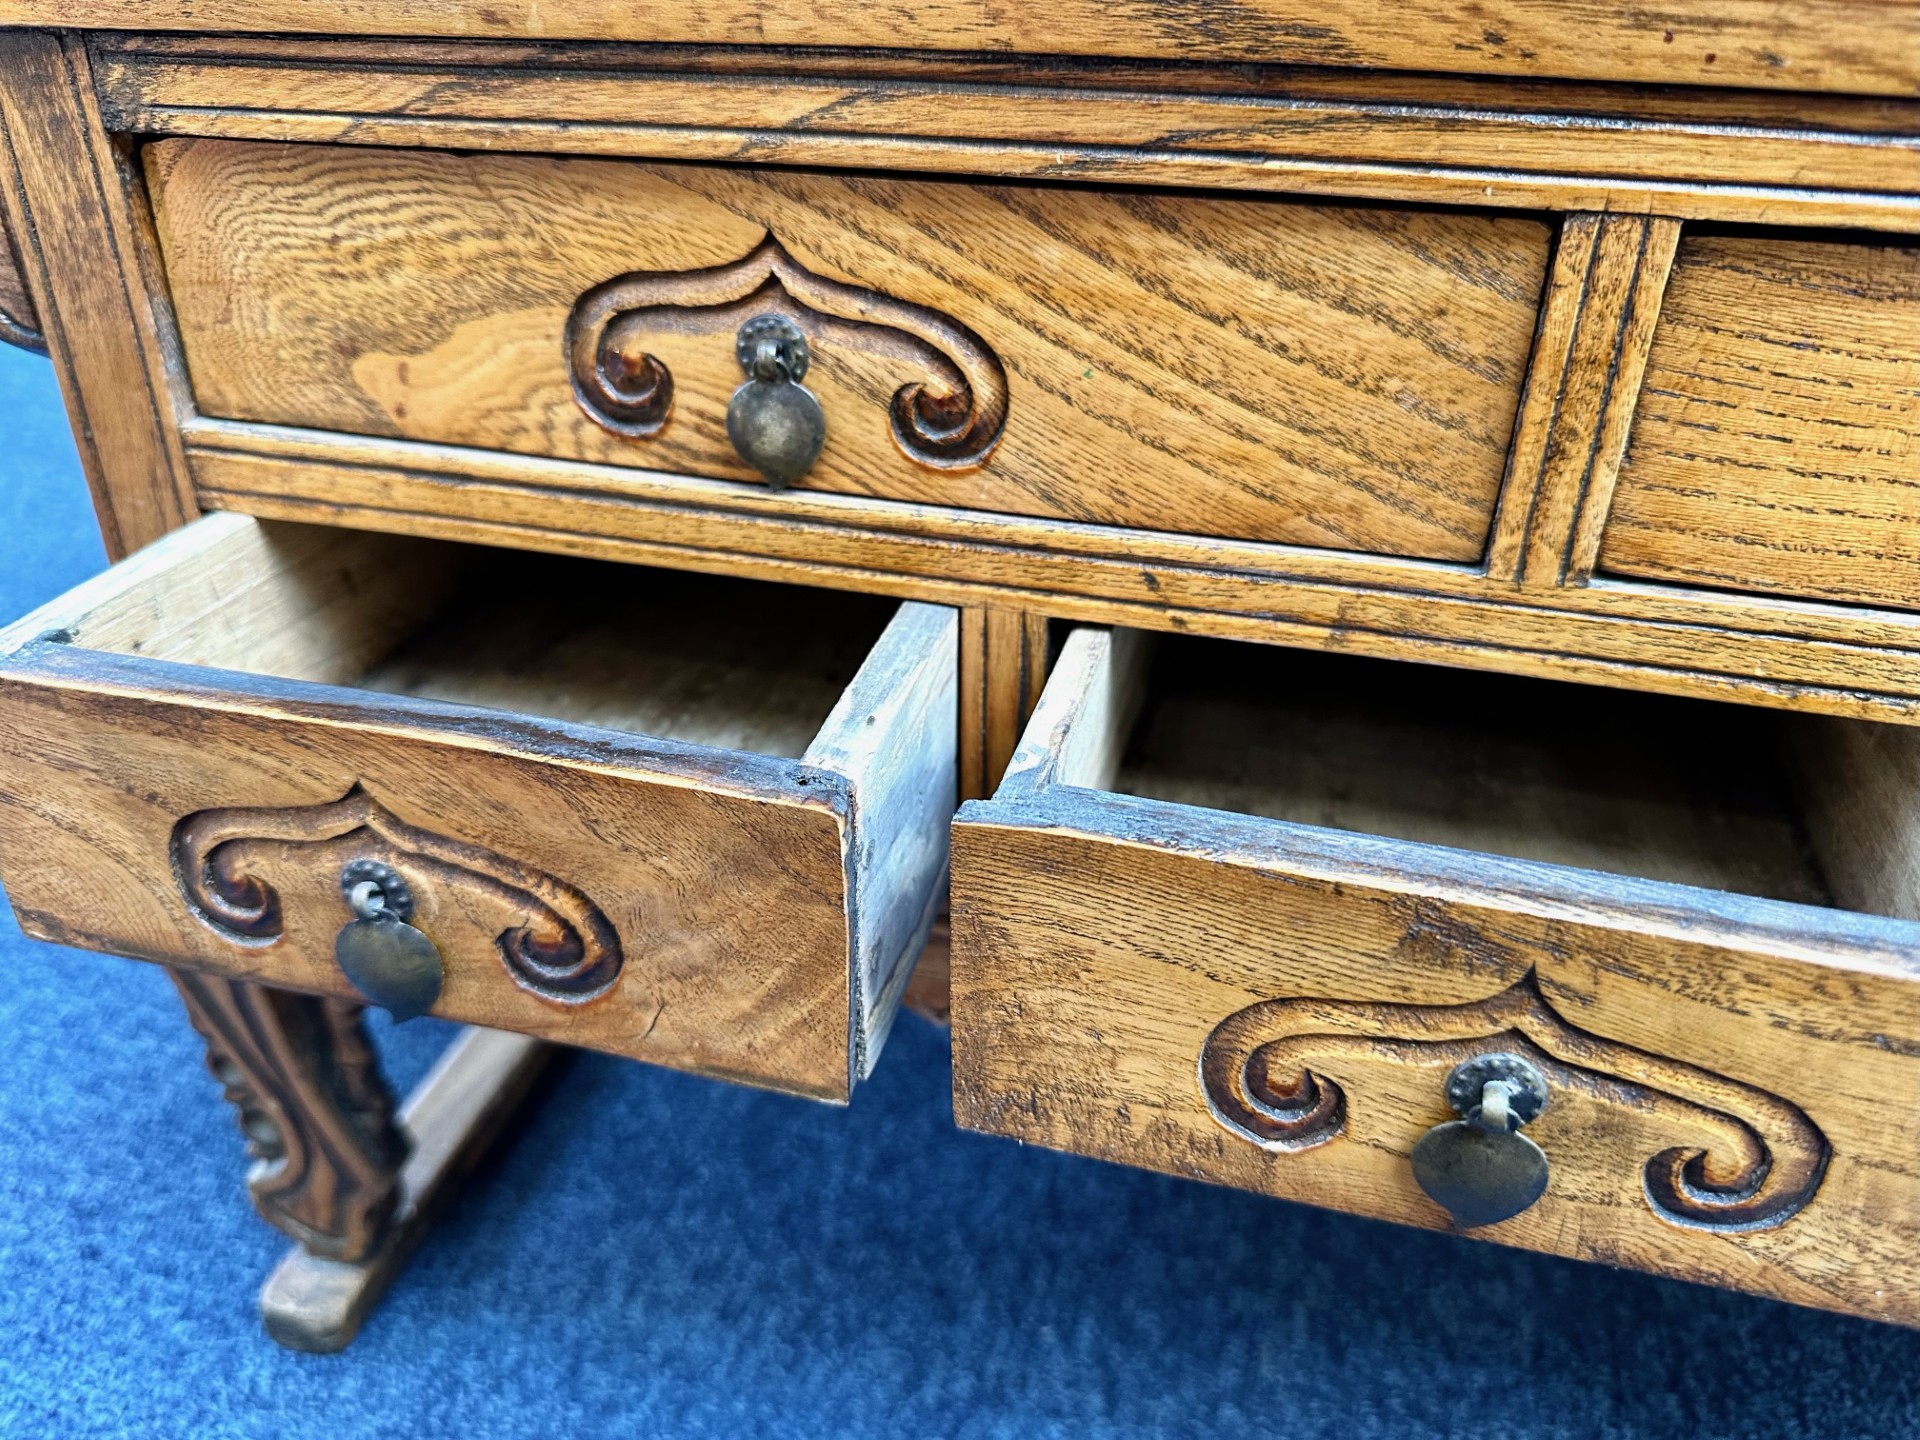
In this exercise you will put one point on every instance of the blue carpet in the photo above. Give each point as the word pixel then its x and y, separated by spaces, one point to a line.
pixel 658 1255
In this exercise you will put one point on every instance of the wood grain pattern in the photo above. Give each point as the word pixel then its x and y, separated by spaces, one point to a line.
pixel 1776 445
pixel 19 325
pixel 455 1114
pixel 317 1115
pixel 1696 154
pixel 1003 665
pixel 895 736
pixel 64 193
pixel 1358 392
pixel 677 851
pixel 1595 329
pixel 1102 941
pixel 1759 650
pixel 1842 45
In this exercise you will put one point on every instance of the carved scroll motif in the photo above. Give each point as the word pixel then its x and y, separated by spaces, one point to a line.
pixel 315 1110
pixel 951 421
pixel 1266 1073
pixel 554 941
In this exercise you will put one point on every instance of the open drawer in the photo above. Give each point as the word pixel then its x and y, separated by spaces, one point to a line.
pixel 1429 868
pixel 698 821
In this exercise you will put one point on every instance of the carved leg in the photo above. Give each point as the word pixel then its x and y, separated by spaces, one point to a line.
pixel 355 1185
pixel 315 1109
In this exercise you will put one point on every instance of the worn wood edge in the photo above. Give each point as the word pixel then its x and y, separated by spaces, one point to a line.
pixel 1326 116
pixel 1458 645
pixel 51 664
pixel 318 470
pixel 1382 180
pixel 1079 729
pixel 453 1117
pixel 200 543
pixel 894 736
pixel 140 484
pixel 1839 940
pixel 1759 650
pixel 1834 44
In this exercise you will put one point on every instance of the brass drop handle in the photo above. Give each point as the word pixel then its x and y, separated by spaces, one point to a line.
pixel 394 965
pixel 1480 1169
pixel 775 423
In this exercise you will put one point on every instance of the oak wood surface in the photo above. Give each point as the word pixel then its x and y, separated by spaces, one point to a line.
pixel 19 325
pixel 1761 650
pixel 67 202
pixel 1358 391
pixel 1595 328
pixel 1729 155
pixel 314 1108
pixel 1842 45
pixel 1776 445
pixel 453 1116
pixel 1003 665
pixel 1106 947
pixel 200 816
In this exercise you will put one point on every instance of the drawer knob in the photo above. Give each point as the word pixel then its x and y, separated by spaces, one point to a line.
pixel 775 423
pixel 1480 1168
pixel 386 959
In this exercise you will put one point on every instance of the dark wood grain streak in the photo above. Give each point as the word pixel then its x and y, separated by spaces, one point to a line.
pixel 1776 445
pixel 1301 373
pixel 1763 651
pixel 1840 45
pixel 1403 137
pixel 316 1113
pixel 1597 325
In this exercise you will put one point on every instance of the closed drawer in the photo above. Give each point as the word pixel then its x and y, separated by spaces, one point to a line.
pixel 1776 442
pixel 1176 362
pixel 1260 999
pixel 696 821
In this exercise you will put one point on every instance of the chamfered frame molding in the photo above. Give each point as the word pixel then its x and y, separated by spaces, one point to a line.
pixel 1860 46
pixel 1731 156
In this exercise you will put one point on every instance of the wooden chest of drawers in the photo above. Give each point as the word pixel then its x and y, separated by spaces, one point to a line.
pixel 895 360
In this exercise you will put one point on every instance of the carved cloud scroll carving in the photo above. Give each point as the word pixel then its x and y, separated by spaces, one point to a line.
pixel 232 865
pixel 1750 1160
pixel 950 420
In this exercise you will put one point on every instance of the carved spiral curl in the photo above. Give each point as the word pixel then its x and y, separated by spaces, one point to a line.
pixel 627 394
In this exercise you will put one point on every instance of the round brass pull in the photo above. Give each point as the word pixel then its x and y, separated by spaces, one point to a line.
pixel 394 965
pixel 1480 1169
pixel 775 423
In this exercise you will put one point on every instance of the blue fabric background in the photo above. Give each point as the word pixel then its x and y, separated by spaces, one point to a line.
pixel 658 1255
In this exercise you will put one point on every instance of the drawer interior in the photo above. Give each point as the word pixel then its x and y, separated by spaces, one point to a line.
pixel 1696 792
pixel 710 660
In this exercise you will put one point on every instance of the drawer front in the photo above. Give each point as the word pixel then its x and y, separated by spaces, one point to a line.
pixel 748 916
pixel 1776 442
pixel 1248 368
pixel 1733 1085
